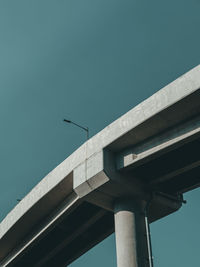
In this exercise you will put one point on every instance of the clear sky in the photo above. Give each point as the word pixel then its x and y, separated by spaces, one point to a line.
pixel 90 61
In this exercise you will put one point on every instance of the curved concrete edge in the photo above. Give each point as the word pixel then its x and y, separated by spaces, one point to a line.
pixel 170 94
pixel 49 182
pixel 71 200
pixel 161 100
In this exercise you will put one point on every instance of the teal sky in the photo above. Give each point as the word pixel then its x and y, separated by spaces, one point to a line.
pixel 90 61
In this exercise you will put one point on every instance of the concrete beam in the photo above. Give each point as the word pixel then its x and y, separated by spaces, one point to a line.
pixel 140 154
pixel 69 204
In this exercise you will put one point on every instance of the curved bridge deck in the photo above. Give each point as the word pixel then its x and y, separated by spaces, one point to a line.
pixel 150 153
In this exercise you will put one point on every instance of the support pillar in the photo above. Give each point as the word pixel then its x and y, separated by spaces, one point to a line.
pixel 131 234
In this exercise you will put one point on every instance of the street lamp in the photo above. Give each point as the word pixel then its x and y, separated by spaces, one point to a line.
pixel 84 128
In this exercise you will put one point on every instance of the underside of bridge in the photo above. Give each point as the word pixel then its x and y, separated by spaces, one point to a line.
pixel 85 225
pixel 69 238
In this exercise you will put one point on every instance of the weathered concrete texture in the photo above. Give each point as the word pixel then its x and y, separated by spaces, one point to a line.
pixel 90 174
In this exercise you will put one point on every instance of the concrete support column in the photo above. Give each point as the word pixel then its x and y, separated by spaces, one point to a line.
pixel 130 232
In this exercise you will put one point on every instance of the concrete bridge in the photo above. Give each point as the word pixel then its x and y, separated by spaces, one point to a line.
pixel 133 172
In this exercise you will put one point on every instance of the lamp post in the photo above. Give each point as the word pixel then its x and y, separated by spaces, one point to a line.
pixel 84 128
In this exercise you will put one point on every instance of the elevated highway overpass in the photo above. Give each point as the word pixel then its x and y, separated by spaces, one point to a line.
pixel 137 167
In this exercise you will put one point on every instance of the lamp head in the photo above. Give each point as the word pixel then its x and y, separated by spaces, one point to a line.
pixel 67 121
